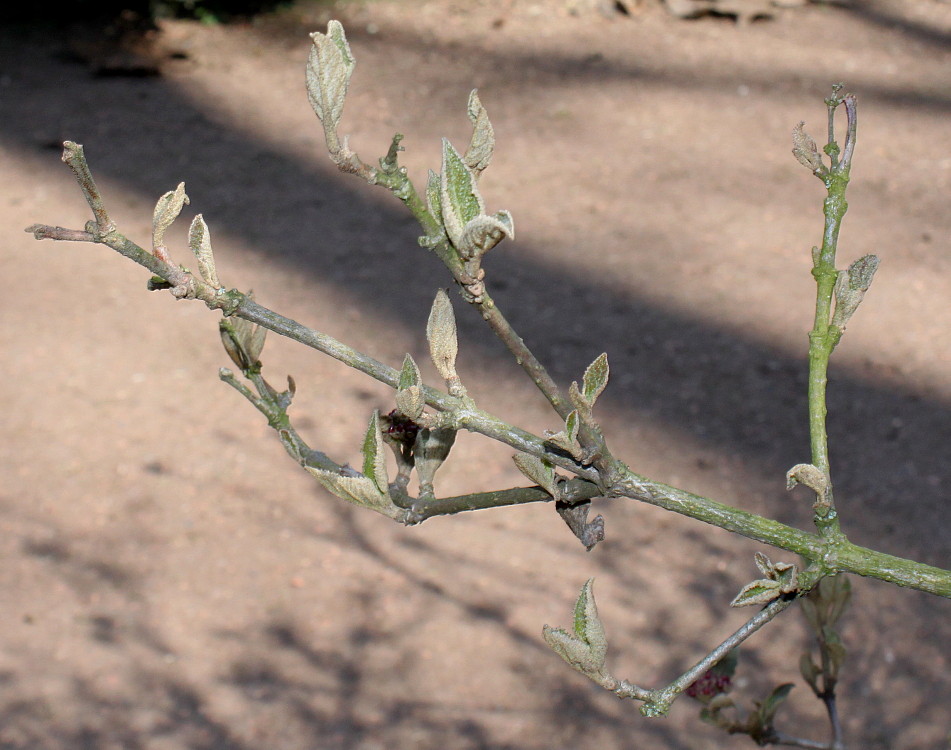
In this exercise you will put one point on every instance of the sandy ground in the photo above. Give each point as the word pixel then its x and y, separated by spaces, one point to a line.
pixel 170 580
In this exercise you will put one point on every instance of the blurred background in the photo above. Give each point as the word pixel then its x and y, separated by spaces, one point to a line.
pixel 171 579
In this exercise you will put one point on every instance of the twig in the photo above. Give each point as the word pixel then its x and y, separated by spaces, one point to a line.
pixel 660 700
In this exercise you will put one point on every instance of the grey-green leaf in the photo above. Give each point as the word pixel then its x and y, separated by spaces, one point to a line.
pixel 575 652
pixel 409 373
pixel 410 401
pixel 761 591
pixel 483 233
pixel 441 334
pixel 588 626
pixel 167 209
pixel 374 454
pixel 805 150
pixel 541 472
pixel 479 153
pixel 359 490
pixel 199 240
pixel 595 378
pixel 459 195
pixel 329 68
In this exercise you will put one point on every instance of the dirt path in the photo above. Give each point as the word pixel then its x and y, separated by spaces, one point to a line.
pixel 169 579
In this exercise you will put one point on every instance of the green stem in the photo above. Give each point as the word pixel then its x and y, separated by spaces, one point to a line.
pixel 823 337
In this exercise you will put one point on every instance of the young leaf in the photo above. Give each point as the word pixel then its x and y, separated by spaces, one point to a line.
pixel 761 591
pixel 764 564
pixel 441 334
pixel 588 626
pixel 483 233
pixel 433 199
pixel 374 454
pixel 359 490
pixel 199 240
pixel 410 401
pixel 459 194
pixel 479 153
pixel 409 373
pixel 567 439
pixel 768 710
pixel 167 209
pixel 595 379
pixel 575 652
pixel 329 68
pixel 541 472
pixel 806 151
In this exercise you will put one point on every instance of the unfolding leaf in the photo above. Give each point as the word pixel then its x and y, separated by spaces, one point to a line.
pixel 770 706
pixel 199 240
pixel 329 68
pixel 574 651
pixel 409 373
pixel 479 153
pixel 541 472
pixel 441 334
pixel 805 149
pixel 595 379
pixel 761 591
pixel 459 195
pixel 483 233
pixel 359 490
pixel 764 564
pixel 433 199
pixel 167 209
pixel 410 401
pixel 567 439
pixel 588 626
pixel 374 454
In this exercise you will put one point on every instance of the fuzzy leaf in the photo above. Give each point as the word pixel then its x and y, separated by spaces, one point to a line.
pixel 805 149
pixel 167 209
pixel 409 373
pixel 572 423
pixel 374 454
pixel 588 626
pixel 329 68
pixel 764 564
pixel 441 334
pixel 567 439
pixel 541 472
pixel 787 576
pixel 577 399
pixel 433 199
pixel 595 379
pixel 479 153
pixel 459 195
pixel 483 233
pixel 199 240
pixel 761 591
pixel 862 271
pixel 410 401
pixel 810 476
pixel 359 490
pixel 575 652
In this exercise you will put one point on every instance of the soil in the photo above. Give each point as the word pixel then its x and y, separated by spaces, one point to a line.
pixel 171 580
